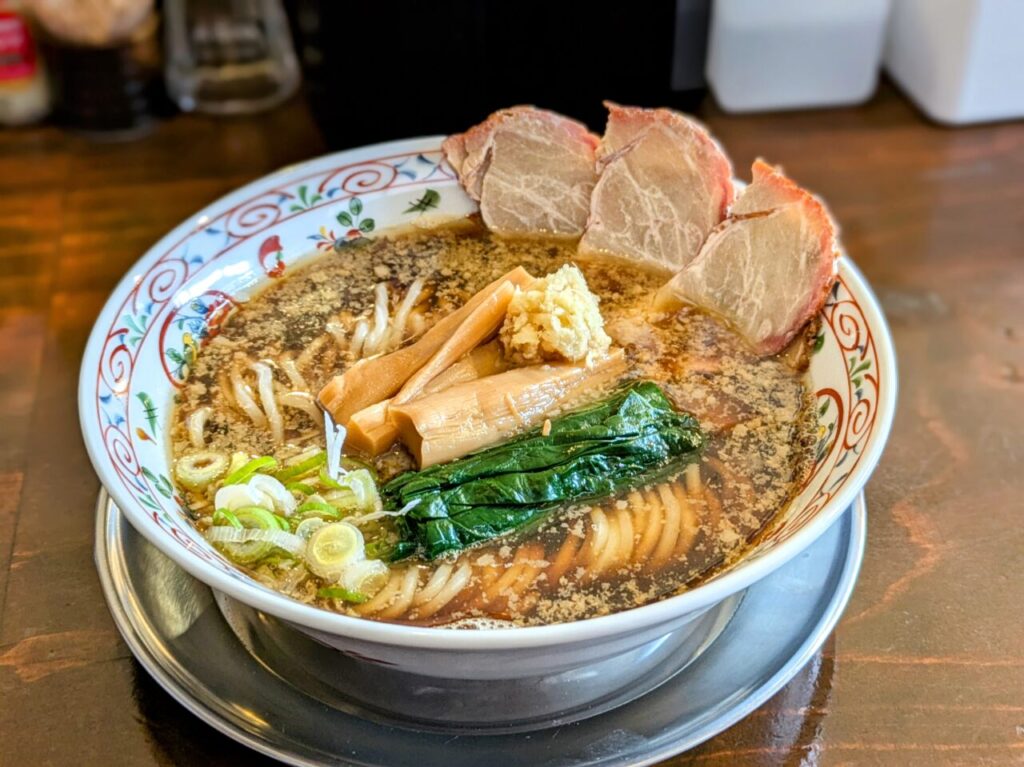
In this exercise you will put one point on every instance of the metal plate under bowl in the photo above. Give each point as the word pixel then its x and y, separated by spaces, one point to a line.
pixel 390 696
pixel 172 624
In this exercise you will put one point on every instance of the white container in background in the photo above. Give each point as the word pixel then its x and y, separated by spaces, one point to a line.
pixel 793 54
pixel 961 61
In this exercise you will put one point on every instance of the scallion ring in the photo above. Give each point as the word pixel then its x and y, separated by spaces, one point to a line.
pixel 247 546
pixel 367 576
pixel 313 508
pixel 328 481
pixel 302 467
pixel 226 516
pixel 256 517
pixel 263 463
pixel 332 548
pixel 307 527
pixel 337 592
pixel 196 471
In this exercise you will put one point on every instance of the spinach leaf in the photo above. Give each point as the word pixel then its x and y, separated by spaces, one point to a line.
pixel 630 439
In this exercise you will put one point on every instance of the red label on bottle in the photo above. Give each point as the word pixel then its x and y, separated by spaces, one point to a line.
pixel 17 54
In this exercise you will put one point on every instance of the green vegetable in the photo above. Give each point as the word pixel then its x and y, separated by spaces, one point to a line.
pixel 379 549
pixel 307 527
pixel 328 481
pixel 302 467
pixel 630 439
pixel 332 548
pixel 197 470
pixel 355 492
pixel 300 487
pixel 247 551
pixel 263 463
pixel 246 546
pixel 225 516
pixel 258 517
pixel 367 576
pixel 316 509
pixel 337 592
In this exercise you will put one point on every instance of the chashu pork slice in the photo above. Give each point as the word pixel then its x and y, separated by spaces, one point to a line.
pixel 664 184
pixel 532 171
pixel 768 269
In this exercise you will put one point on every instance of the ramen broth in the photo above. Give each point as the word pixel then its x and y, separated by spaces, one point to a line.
pixel 579 561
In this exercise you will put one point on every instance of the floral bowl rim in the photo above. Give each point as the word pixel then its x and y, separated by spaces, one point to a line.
pixel 374 172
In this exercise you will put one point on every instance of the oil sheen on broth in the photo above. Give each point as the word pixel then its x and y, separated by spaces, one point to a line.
pixel 579 561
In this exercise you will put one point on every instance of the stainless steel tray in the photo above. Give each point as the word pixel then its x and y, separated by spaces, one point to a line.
pixel 173 625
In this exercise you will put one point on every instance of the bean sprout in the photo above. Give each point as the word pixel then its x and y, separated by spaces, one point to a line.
pixel 197 424
pixel 301 400
pixel 265 387
pixel 359 337
pixel 397 334
pixel 377 336
pixel 244 399
pixel 292 371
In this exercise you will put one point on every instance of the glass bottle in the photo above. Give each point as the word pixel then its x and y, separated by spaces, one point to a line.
pixel 228 56
pixel 24 93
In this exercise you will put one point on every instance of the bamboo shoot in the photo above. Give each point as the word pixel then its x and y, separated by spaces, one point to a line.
pixel 468 416
pixel 371 431
pixel 372 380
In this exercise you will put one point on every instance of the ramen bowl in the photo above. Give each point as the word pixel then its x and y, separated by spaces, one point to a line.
pixel 176 295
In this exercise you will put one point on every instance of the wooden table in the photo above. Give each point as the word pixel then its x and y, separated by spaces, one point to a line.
pixel 927 666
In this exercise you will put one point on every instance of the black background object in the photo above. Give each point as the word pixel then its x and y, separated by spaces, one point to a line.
pixel 376 71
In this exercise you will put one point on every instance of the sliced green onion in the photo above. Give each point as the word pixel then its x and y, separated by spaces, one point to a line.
pixel 250 546
pixel 197 471
pixel 265 462
pixel 300 487
pixel 307 527
pixel 332 548
pixel 256 517
pixel 302 467
pixel 355 492
pixel 328 481
pixel 281 499
pixel 238 460
pixel 337 592
pixel 317 509
pixel 226 515
pixel 379 549
pixel 367 576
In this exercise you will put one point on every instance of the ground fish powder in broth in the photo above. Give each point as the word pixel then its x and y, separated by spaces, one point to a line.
pixel 579 561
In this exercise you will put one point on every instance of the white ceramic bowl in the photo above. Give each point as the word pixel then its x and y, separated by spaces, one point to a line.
pixel 187 282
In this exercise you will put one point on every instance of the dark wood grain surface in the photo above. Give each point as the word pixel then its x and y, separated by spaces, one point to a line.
pixel 927 666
